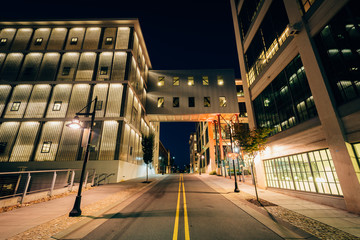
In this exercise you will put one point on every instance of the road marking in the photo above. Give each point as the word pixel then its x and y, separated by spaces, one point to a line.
pixel 176 226
pixel 186 221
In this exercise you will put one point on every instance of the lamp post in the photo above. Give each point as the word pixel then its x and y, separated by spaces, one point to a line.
pixel 199 158
pixel 76 211
pixel 233 156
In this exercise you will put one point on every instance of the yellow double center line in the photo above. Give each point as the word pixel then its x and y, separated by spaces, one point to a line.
pixel 186 221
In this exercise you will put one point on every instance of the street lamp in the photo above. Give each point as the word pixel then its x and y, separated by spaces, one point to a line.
pixel 76 124
pixel 201 162
pixel 233 156
pixel 161 163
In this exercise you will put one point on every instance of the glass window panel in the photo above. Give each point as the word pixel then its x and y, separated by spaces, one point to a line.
pixel 161 81
pixel 176 81
pixel 160 102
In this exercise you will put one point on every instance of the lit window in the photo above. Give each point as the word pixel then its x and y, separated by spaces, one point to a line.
pixel 207 102
pixel 176 102
pixel 220 80
pixel 3 41
pixel 38 41
pixel 176 81
pixel 57 106
pixel 266 102
pixel 191 81
pixel 99 105
pixel 66 71
pixel 74 41
pixel 3 147
pixel 222 101
pixel 160 102
pixel 161 81
pixel 205 80
pixel 108 41
pixel 15 106
pixel 191 102
pixel 104 70
pixel 46 147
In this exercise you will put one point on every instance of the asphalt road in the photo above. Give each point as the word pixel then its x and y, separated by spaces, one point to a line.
pixel 162 213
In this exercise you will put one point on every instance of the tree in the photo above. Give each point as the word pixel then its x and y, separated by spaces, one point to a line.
pixel 147 143
pixel 251 142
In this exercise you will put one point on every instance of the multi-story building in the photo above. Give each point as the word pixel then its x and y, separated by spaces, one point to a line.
pixel 194 167
pixel 300 64
pixel 51 70
pixel 212 147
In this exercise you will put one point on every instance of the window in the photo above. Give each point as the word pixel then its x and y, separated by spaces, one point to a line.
pixel 3 147
pixel 207 102
pixel 191 81
pixel 3 41
pixel 311 172
pixel 99 105
pixel 176 81
pixel 66 71
pixel 134 115
pixel 104 70
pixel 222 102
pixel 191 102
pixel 160 102
pixel 57 106
pixel 306 4
pixel 176 102
pixel 46 147
pixel 161 81
pixel 242 109
pixel 74 41
pixel 131 151
pixel 338 44
pixel 220 80
pixel 266 42
pixel 239 90
pixel 38 41
pixel 15 106
pixel 108 41
pixel 286 101
pixel 205 80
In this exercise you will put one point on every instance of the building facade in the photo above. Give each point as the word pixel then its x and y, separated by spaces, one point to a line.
pixel 51 70
pixel 299 61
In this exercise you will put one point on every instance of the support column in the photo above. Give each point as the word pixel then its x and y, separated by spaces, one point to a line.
pixel 342 154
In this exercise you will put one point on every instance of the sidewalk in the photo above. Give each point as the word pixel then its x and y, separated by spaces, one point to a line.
pixel 41 218
pixel 331 216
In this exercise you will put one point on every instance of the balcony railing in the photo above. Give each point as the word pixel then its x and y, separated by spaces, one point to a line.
pixel 20 184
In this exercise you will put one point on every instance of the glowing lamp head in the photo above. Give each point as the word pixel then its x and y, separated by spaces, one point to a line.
pixel 75 123
pixel 233 156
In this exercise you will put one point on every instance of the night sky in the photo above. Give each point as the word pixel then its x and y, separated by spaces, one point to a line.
pixel 187 34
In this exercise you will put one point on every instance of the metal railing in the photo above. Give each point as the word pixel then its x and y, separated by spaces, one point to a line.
pixel 21 183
